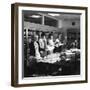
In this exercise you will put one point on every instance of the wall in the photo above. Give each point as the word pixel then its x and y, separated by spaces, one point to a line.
pixel 33 26
pixel 68 24
pixel 5 45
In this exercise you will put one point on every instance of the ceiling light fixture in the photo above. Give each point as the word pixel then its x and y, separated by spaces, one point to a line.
pixel 35 16
pixel 53 14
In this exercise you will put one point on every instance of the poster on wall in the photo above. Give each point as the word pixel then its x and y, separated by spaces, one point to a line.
pixel 49 44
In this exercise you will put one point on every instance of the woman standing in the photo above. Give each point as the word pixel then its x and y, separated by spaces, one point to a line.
pixel 42 45
pixel 50 44
pixel 36 45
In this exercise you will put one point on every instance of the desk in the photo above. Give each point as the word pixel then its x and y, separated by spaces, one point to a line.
pixel 53 65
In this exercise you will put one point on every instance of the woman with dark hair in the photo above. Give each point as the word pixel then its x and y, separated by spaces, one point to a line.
pixel 36 45
pixel 42 44
pixel 32 47
pixel 58 44
pixel 50 44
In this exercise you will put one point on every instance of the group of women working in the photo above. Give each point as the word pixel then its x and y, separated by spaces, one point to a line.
pixel 40 46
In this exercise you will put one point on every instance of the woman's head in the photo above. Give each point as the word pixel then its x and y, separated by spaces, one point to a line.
pixel 43 35
pixel 50 36
pixel 36 37
pixel 29 40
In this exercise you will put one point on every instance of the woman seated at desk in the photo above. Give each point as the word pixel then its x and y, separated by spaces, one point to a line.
pixel 58 45
pixel 75 44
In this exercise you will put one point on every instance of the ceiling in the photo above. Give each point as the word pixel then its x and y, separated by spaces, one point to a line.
pixel 57 16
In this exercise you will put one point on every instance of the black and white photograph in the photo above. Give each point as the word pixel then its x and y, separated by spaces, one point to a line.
pixel 49 44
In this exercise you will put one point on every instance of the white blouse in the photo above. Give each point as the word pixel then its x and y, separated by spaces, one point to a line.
pixel 37 54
